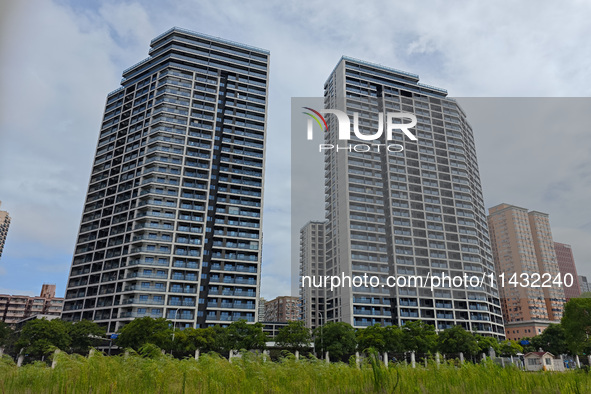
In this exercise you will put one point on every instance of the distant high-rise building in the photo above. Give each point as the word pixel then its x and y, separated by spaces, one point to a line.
pixel 522 244
pixel 416 212
pixel 261 315
pixel 584 284
pixel 4 224
pixel 282 309
pixel 172 223
pixel 14 308
pixel 566 265
pixel 312 264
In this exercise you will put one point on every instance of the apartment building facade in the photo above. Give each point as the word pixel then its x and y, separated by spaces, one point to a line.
pixel 523 245
pixel 282 309
pixel 312 299
pixel 584 284
pixel 14 308
pixel 418 211
pixel 172 223
pixel 566 265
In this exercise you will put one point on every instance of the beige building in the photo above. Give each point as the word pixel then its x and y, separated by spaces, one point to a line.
pixel 14 308
pixel 4 223
pixel 523 247
pixel 282 309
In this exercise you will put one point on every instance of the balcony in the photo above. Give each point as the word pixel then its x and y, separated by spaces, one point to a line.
pixel 148 276
pixel 234 318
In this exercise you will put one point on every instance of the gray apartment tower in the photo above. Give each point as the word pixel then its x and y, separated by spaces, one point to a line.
pixel 312 299
pixel 172 221
pixel 415 212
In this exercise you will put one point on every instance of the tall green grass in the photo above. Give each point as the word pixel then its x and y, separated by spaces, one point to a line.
pixel 212 374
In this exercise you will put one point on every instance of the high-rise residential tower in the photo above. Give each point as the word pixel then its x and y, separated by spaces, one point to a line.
pixel 566 265
pixel 4 224
pixel 584 284
pixel 415 212
pixel 522 244
pixel 312 256
pixel 172 220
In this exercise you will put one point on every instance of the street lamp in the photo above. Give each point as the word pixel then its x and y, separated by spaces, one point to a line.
pixel 173 327
pixel 321 336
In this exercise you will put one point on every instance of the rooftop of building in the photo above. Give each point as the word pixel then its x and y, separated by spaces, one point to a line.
pixel 206 37
pixel 504 207
pixel 404 75
pixel 130 72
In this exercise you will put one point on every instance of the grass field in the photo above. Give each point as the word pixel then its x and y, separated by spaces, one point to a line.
pixel 212 374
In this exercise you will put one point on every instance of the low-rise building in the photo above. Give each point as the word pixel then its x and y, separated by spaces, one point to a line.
pixel 526 329
pixel 537 361
pixel 15 308
pixel 282 309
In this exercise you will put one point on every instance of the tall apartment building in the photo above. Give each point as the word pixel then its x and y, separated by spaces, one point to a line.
pixel 282 309
pixel 584 285
pixel 261 315
pixel 172 220
pixel 566 265
pixel 14 308
pixel 415 212
pixel 312 256
pixel 522 244
pixel 4 224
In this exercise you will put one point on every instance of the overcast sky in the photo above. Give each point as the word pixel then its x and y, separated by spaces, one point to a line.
pixel 59 59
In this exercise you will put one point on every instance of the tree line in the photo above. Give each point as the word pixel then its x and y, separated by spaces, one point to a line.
pixel 39 337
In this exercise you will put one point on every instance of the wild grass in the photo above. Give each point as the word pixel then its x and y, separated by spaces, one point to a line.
pixel 213 374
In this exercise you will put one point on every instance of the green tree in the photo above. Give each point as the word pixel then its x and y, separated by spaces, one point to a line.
pixel 294 336
pixel 145 330
pixel 6 334
pixel 485 343
pixel 419 337
pixel 576 322
pixel 221 339
pixel 336 337
pixel 40 337
pixel 510 348
pixel 554 339
pixel 535 344
pixel 394 337
pixel 372 337
pixel 455 340
pixel 82 335
pixel 191 339
pixel 241 335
